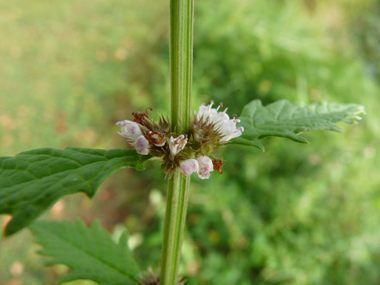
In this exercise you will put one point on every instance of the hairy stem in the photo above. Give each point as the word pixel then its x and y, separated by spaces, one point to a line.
pixel 181 62
pixel 176 208
pixel 181 70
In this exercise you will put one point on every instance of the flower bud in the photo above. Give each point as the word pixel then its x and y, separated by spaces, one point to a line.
pixel 205 167
pixel 129 130
pixel 177 144
pixel 142 145
pixel 188 166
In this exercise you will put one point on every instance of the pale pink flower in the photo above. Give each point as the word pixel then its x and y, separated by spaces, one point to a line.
pixel 188 166
pixel 142 145
pixel 205 167
pixel 129 130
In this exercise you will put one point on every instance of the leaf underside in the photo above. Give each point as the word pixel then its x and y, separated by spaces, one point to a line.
pixel 288 120
pixel 32 181
pixel 89 252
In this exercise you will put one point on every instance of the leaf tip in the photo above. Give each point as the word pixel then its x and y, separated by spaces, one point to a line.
pixel 123 238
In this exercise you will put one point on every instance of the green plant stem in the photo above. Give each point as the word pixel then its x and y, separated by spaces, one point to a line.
pixel 181 70
pixel 176 208
pixel 181 62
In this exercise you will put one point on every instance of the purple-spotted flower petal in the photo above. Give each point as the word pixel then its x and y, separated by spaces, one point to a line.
pixel 188 166
pixel 142 145
pixel 177 144
pixel 205 167
pixel 129 130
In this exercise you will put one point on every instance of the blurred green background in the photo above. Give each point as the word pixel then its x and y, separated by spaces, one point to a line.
pixel 296 214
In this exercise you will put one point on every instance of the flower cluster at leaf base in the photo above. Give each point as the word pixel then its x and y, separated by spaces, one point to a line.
pixel 192 152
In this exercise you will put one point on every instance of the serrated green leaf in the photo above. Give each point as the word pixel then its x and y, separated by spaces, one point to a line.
pixel 288 120
pixel 33 181
pixel 89 252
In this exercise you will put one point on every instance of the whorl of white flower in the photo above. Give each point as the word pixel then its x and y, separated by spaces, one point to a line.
pixel 142 145
pixel 205 167
pixel 221 120
pixel 129 130
pixel 177 144
pixel 188 166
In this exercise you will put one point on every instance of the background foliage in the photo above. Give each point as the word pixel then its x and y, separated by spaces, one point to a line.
pixel 296 214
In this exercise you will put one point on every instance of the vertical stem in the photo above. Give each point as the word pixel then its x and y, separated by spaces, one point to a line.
pixel 176 208
pixel 181 62
pixel 181 71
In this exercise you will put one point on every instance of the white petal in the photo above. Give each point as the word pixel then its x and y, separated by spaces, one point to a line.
pixel 188 166
pixel 203 174
pixel 177 144
pixel 229 130
pixel 237 132
pixel 142 145
pixel 205 167
pixel 219 119
pixel 206 111
pixel 129 129
pixel 206 162
pixel 228 127
pixel 203 111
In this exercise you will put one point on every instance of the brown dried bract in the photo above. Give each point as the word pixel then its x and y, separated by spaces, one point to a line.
pixel 218 165
pixel 141 118
pixel 155 138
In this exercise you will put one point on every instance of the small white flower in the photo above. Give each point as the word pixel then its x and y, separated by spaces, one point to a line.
pixel 220 118
pixel 177 144
pixel 188 166
pixel 229 130
pixel 206 111
pixel 142 145
pixel 129 130
pixel 205 167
